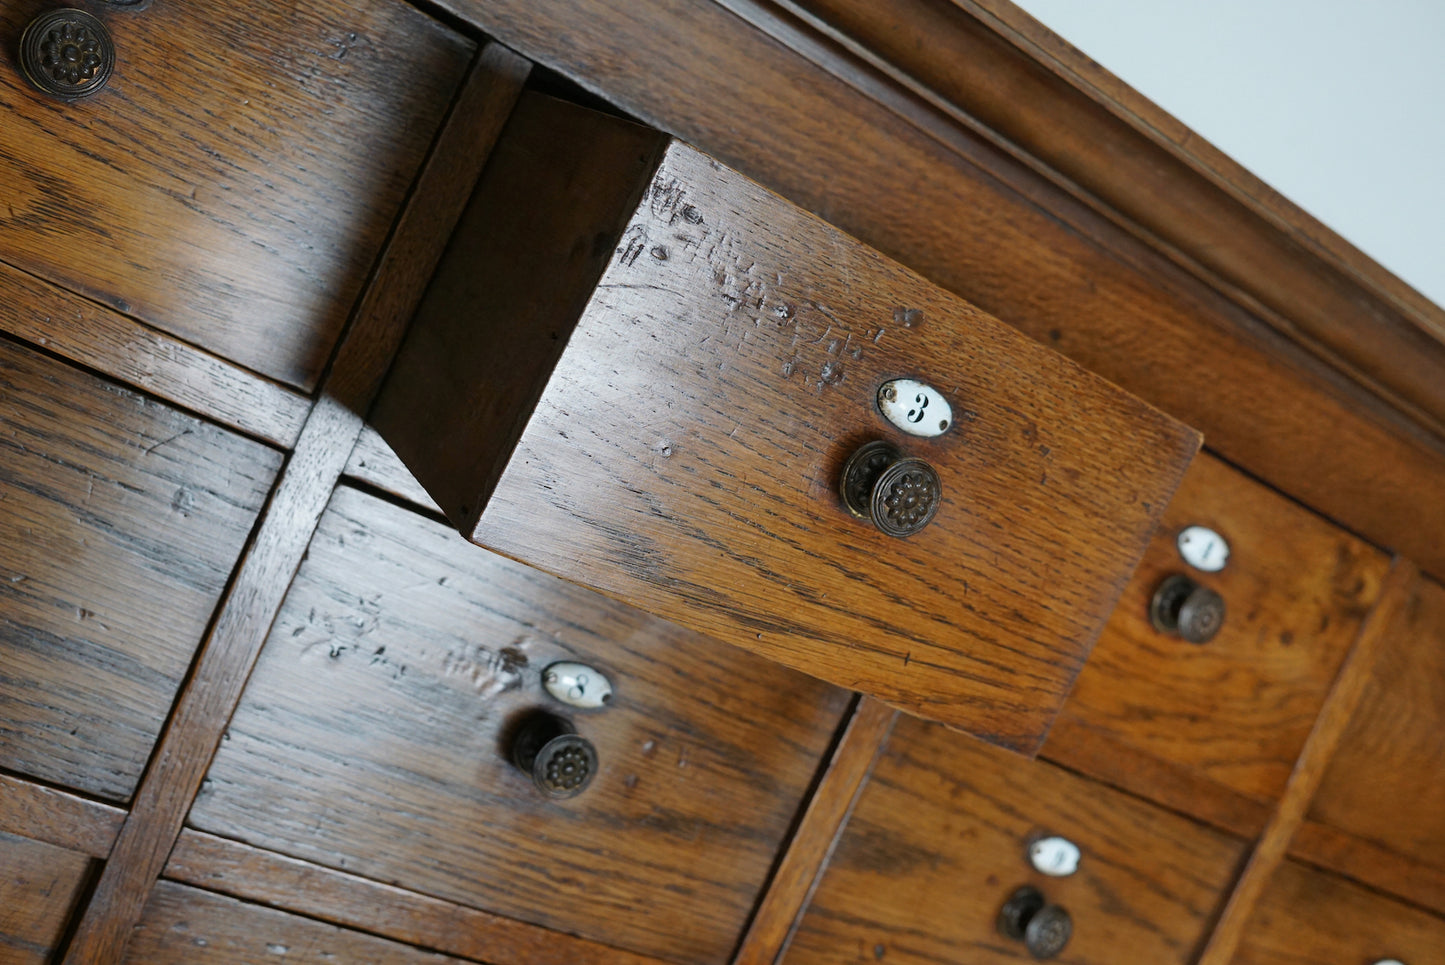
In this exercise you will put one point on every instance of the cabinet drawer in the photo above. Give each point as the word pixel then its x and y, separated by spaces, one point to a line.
pixel 234 181
pixel 1199 726
pixel 1379 813
pixel 640 371
pixel 373 737
pixel 1307 916
pixel 939 841
pixel 122 520
pixel 185 926
pixel 40 887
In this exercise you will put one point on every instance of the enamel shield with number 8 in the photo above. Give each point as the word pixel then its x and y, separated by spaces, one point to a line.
pixel 577 685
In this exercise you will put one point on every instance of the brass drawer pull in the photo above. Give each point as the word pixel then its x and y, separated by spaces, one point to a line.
pixel 900 494
pixel 548 749
pixel 1027 917
pixel 67 53
pixel 1186 609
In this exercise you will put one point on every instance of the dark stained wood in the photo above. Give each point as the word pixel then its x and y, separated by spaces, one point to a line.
pixel 1000 70
pixel 685 453
pixel 401 660
pixel 802 863
pixel 1308 917
pixel 1418 879
pixel 242 871
pixel 235 181
pixel 910 181
pixel 122 520
pixel 1340 706
pixel 373 463
pixel 40 886
pixel 938 842
pixel 58 818
pixel 1228 718
pixel 178 767
pixel 185 926
pixel 1384 784
pixel 104 339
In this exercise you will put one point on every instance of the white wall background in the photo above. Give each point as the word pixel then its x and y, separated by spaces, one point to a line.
pixel 1340 106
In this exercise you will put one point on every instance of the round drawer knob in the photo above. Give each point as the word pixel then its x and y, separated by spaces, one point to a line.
pixel 67 53
pixel 560 762
pixel 1027 917
pixel 1184 608
pixel 899 494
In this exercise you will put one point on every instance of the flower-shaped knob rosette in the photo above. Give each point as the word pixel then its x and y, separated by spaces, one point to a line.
pixel 67 53
pixel 900 494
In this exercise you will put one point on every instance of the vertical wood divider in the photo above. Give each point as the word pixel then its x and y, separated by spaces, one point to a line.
pixel 1344 697
pixel 208 698
pixel 807 854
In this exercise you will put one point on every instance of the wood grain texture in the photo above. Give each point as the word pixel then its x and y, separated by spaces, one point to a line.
pixel 1417 878
pixel 382 701
pixel 938 842
pixel 211 694
pixel 685 453
pixel 912 183
pixel 58 818
pixel 103 339
pixel 234 182
pixel 242 871
pixel 1319 749
pixel 373 463
pixel 1383 785
pixel 1231 715
pixel 993 65
pixel 801 865
pixel 186 926
pixel 122 520
pixel 1307 917
pixel 40 886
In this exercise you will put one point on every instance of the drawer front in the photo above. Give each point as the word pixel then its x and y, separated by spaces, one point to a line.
pixel 938 842
pixel 40 887
pixel 1234 711
pixel 185 926
pixel 682 449
pixel 1307 917
pixel 1384 785
pixel 122 520
pixel 234 181
pixel 373 737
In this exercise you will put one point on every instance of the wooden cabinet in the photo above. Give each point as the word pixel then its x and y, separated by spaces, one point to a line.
pixel 1307 916
pixel 186 926
pixel 939 840
pixel 652 379
pixel 122 520
pixel 374 738
pixel 1214 729
pixel 41 887
pixel 235 180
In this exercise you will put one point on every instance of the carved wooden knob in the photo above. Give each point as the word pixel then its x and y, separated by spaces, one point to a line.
pixel 67 53
pixel 899 494
pixel 548 748
pixel 1185 608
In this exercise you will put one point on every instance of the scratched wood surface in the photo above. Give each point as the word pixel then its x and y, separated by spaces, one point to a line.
pixel 374 463
pixel 234 182
pixel 40 886
pixel 1307 917
pixel 1233 712
pixel 743 82
pixel 187 926
pixel 684 455
pixel 58 817
pixel 1384 784
pixel 938 842
pixel 121 521
pixel 381 705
